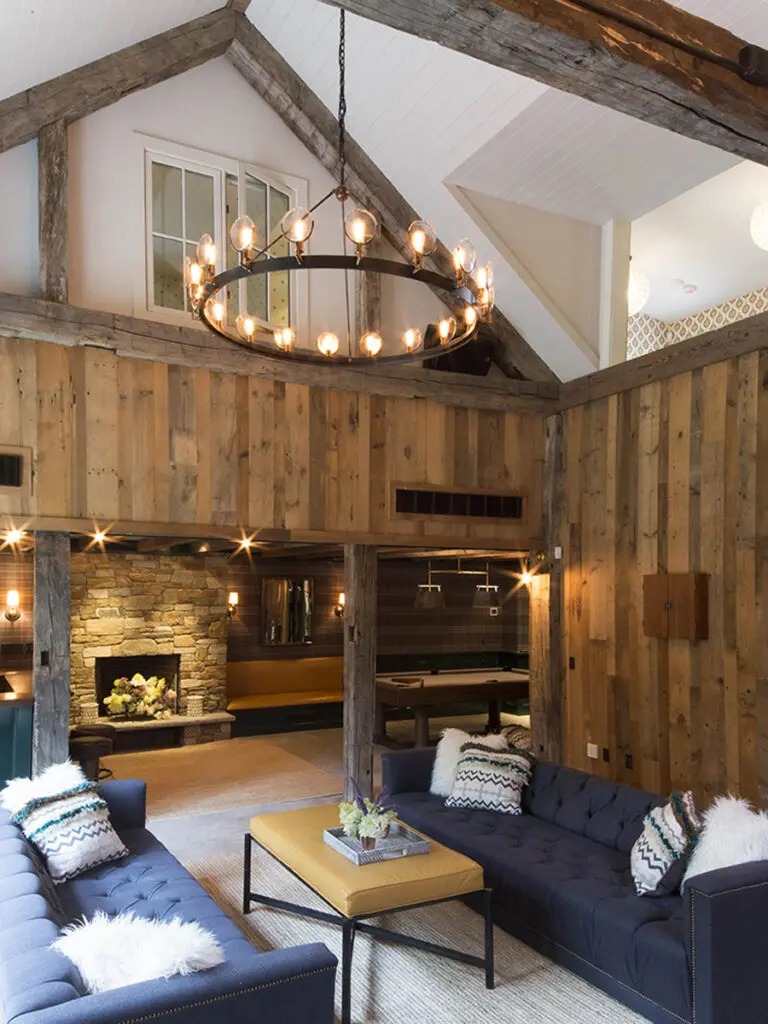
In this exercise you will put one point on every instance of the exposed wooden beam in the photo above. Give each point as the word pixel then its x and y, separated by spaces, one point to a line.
pixel 360 588
pixel 53 163
pixel 728 342
pixel 603 58
pixel 96 85
pixel 51 671
pixel 239 6
pixel 317 128
pixel 387 554
pixel 24 317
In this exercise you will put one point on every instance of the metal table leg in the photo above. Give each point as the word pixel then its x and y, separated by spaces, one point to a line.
pixel 347 947
pixel 247 874
pixel 490 981
pixel 421 726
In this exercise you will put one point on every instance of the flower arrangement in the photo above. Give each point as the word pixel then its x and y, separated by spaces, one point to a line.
pixel 366 819
pixel 141 698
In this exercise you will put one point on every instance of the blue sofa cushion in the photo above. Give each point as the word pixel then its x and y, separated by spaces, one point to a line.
pixel 570 889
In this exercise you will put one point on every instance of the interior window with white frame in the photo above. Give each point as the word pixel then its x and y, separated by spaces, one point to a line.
pixel 187 198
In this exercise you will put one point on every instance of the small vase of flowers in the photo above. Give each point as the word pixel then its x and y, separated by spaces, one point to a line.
pixel 140 698
pixel 366 819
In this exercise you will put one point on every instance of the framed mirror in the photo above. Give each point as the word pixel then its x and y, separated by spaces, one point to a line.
pixel 287 611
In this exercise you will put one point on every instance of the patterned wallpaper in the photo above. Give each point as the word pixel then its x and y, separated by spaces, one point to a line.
pixel 647 334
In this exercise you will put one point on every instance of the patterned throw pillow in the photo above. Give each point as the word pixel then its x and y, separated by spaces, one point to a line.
pixel 660 854
pixel 518 736
pixel 490 780
pixel 65 817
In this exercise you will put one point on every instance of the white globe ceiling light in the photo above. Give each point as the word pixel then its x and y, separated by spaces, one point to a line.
pixel 758 225
pixel 638 292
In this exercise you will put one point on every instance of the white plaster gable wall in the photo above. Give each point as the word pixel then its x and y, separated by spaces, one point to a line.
pixel 18 216
pixel 107 199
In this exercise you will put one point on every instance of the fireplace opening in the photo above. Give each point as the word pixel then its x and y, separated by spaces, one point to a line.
pixel 164 666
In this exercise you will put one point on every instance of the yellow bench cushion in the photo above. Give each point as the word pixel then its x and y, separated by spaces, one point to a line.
pixel 296 839
pixel 281 700
pixel 290 675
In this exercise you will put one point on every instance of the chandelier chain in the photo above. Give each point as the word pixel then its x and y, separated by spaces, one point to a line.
pixel 342 98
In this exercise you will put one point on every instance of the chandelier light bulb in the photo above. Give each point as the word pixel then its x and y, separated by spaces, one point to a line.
pixel 464 257
pixel 412 339
pixel 470 316
pixel 360 227
pixel 638 292
pixel 206 251
pixel 484 276
pixel 242 234
pixel 758 225
pixel 297 225
pixel 446 330
pixel 422 238
pixel 372 343
pixel 246 326
pixel 284 338
pixel 328 343
pixel 193 273
pixel 217 312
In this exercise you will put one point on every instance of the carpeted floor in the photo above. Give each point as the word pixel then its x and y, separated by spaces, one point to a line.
pixel 220 776
pixel 393 985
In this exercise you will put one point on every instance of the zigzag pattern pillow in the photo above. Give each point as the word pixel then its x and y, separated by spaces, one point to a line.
pixel 490 780
pixel 65 817
pixel 660 854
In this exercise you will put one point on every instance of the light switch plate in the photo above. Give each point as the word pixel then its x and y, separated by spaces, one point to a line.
pixel 593 751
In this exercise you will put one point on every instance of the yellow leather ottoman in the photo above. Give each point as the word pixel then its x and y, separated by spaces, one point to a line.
pixel 295 839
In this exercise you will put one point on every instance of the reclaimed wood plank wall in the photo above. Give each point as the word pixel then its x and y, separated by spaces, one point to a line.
pixel 669 476
pixel 135 441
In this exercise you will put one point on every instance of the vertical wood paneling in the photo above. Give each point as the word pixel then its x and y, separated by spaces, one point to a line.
pixel 686 461
pixel 101 437
pixel 55 410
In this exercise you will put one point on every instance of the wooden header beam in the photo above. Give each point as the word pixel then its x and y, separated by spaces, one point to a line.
pixel 603 58
pixel 317 128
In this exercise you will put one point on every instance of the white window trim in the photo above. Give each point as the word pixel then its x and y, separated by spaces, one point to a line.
pixel 218 167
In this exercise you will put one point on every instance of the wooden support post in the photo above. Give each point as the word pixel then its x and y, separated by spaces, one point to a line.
pixel 360 587
pixel 50 731
pixel 52 163
pixel 546 613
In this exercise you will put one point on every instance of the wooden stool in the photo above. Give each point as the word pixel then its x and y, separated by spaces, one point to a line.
pixel 87 750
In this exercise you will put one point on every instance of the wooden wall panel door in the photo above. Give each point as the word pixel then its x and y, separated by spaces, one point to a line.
pixel 688 612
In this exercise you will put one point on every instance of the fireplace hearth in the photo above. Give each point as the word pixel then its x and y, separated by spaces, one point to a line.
pixel 107 670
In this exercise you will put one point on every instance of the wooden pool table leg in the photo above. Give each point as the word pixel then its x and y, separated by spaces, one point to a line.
pixel 494 716
pixel 380 724
pixel 421 726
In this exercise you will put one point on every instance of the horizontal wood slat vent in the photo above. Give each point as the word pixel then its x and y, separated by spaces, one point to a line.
pixel 422 502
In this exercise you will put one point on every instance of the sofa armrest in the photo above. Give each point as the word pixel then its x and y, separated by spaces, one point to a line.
pixel 294 984
pixel 728 908
pixel 127 802
pixel 407 771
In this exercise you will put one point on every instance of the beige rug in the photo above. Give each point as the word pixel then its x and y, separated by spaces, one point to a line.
pixel 219 776
pixel 393 985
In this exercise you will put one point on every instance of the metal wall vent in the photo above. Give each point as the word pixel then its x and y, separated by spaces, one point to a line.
pixel 422 502
pixel 10 470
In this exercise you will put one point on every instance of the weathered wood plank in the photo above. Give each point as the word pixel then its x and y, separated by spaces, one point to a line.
pixel 313 123
pixel 360 587
pixel 36 320
pixel 52 173
pixel 97 85
pixel 615 58
pixel 51 673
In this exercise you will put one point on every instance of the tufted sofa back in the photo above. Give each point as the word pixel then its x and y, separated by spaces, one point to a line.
pixel 604 811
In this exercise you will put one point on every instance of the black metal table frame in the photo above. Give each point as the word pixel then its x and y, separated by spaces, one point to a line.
pixel 350 926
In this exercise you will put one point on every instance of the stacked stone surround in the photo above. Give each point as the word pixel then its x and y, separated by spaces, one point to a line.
pixel 132 604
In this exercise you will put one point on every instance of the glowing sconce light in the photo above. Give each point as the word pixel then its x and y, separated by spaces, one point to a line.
pixel 526 577
pixel 12 610
pixel 13 537
pixel 340 606
pixel 232 602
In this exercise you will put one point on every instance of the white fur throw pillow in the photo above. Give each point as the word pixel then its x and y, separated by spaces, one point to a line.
pixel 111 952
pixel 732 834
pixel 448 753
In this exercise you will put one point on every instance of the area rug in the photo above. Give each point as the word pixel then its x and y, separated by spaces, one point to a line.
pixel 219 776
pixel 393 985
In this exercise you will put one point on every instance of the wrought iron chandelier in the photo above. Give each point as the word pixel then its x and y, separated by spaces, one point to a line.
pixel 474 296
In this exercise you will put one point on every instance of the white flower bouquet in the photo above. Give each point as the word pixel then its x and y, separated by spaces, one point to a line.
pixel 366 819
pixel 140 698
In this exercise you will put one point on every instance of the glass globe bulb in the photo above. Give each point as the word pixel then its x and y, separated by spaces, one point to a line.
pixel 758 225
pixel 446 329
pixel 638 292
pixel 242 234
pixel 193 273
pixel 465 256
pixel 412 339
pixel 422 237
pixel 246 326
pixel 360 226
pixel 371 343
pixel 206 251
pixel 217 313
pixel 484 276
pixel 470 316
pixel 284 338
pixel 328 343
pixel 297 225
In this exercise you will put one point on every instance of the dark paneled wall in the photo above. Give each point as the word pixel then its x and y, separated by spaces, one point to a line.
pixel 16 573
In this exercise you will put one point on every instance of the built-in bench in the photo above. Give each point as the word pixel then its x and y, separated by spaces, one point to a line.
pixel 293 689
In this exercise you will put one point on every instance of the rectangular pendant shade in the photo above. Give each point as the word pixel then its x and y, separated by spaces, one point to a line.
pixel 486 597
pixel 429 597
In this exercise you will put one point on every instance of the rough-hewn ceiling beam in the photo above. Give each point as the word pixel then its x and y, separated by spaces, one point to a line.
pixel 603 58
pixel 24 317
pixel 104 81
pixel 317 128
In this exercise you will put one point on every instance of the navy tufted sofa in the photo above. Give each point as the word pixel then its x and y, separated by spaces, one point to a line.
pixel 39 986
pixel 561 880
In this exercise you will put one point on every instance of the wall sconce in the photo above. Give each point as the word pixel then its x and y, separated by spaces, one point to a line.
pixel 232 602
pixel 12 610
pixel 528 572
pixel 341 604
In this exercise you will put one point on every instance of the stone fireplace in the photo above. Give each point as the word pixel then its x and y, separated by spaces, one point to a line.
pixel 155 614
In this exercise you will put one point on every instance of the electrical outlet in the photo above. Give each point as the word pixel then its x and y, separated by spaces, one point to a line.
pixel 494 611
pixel 593 751
pixel 558 552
